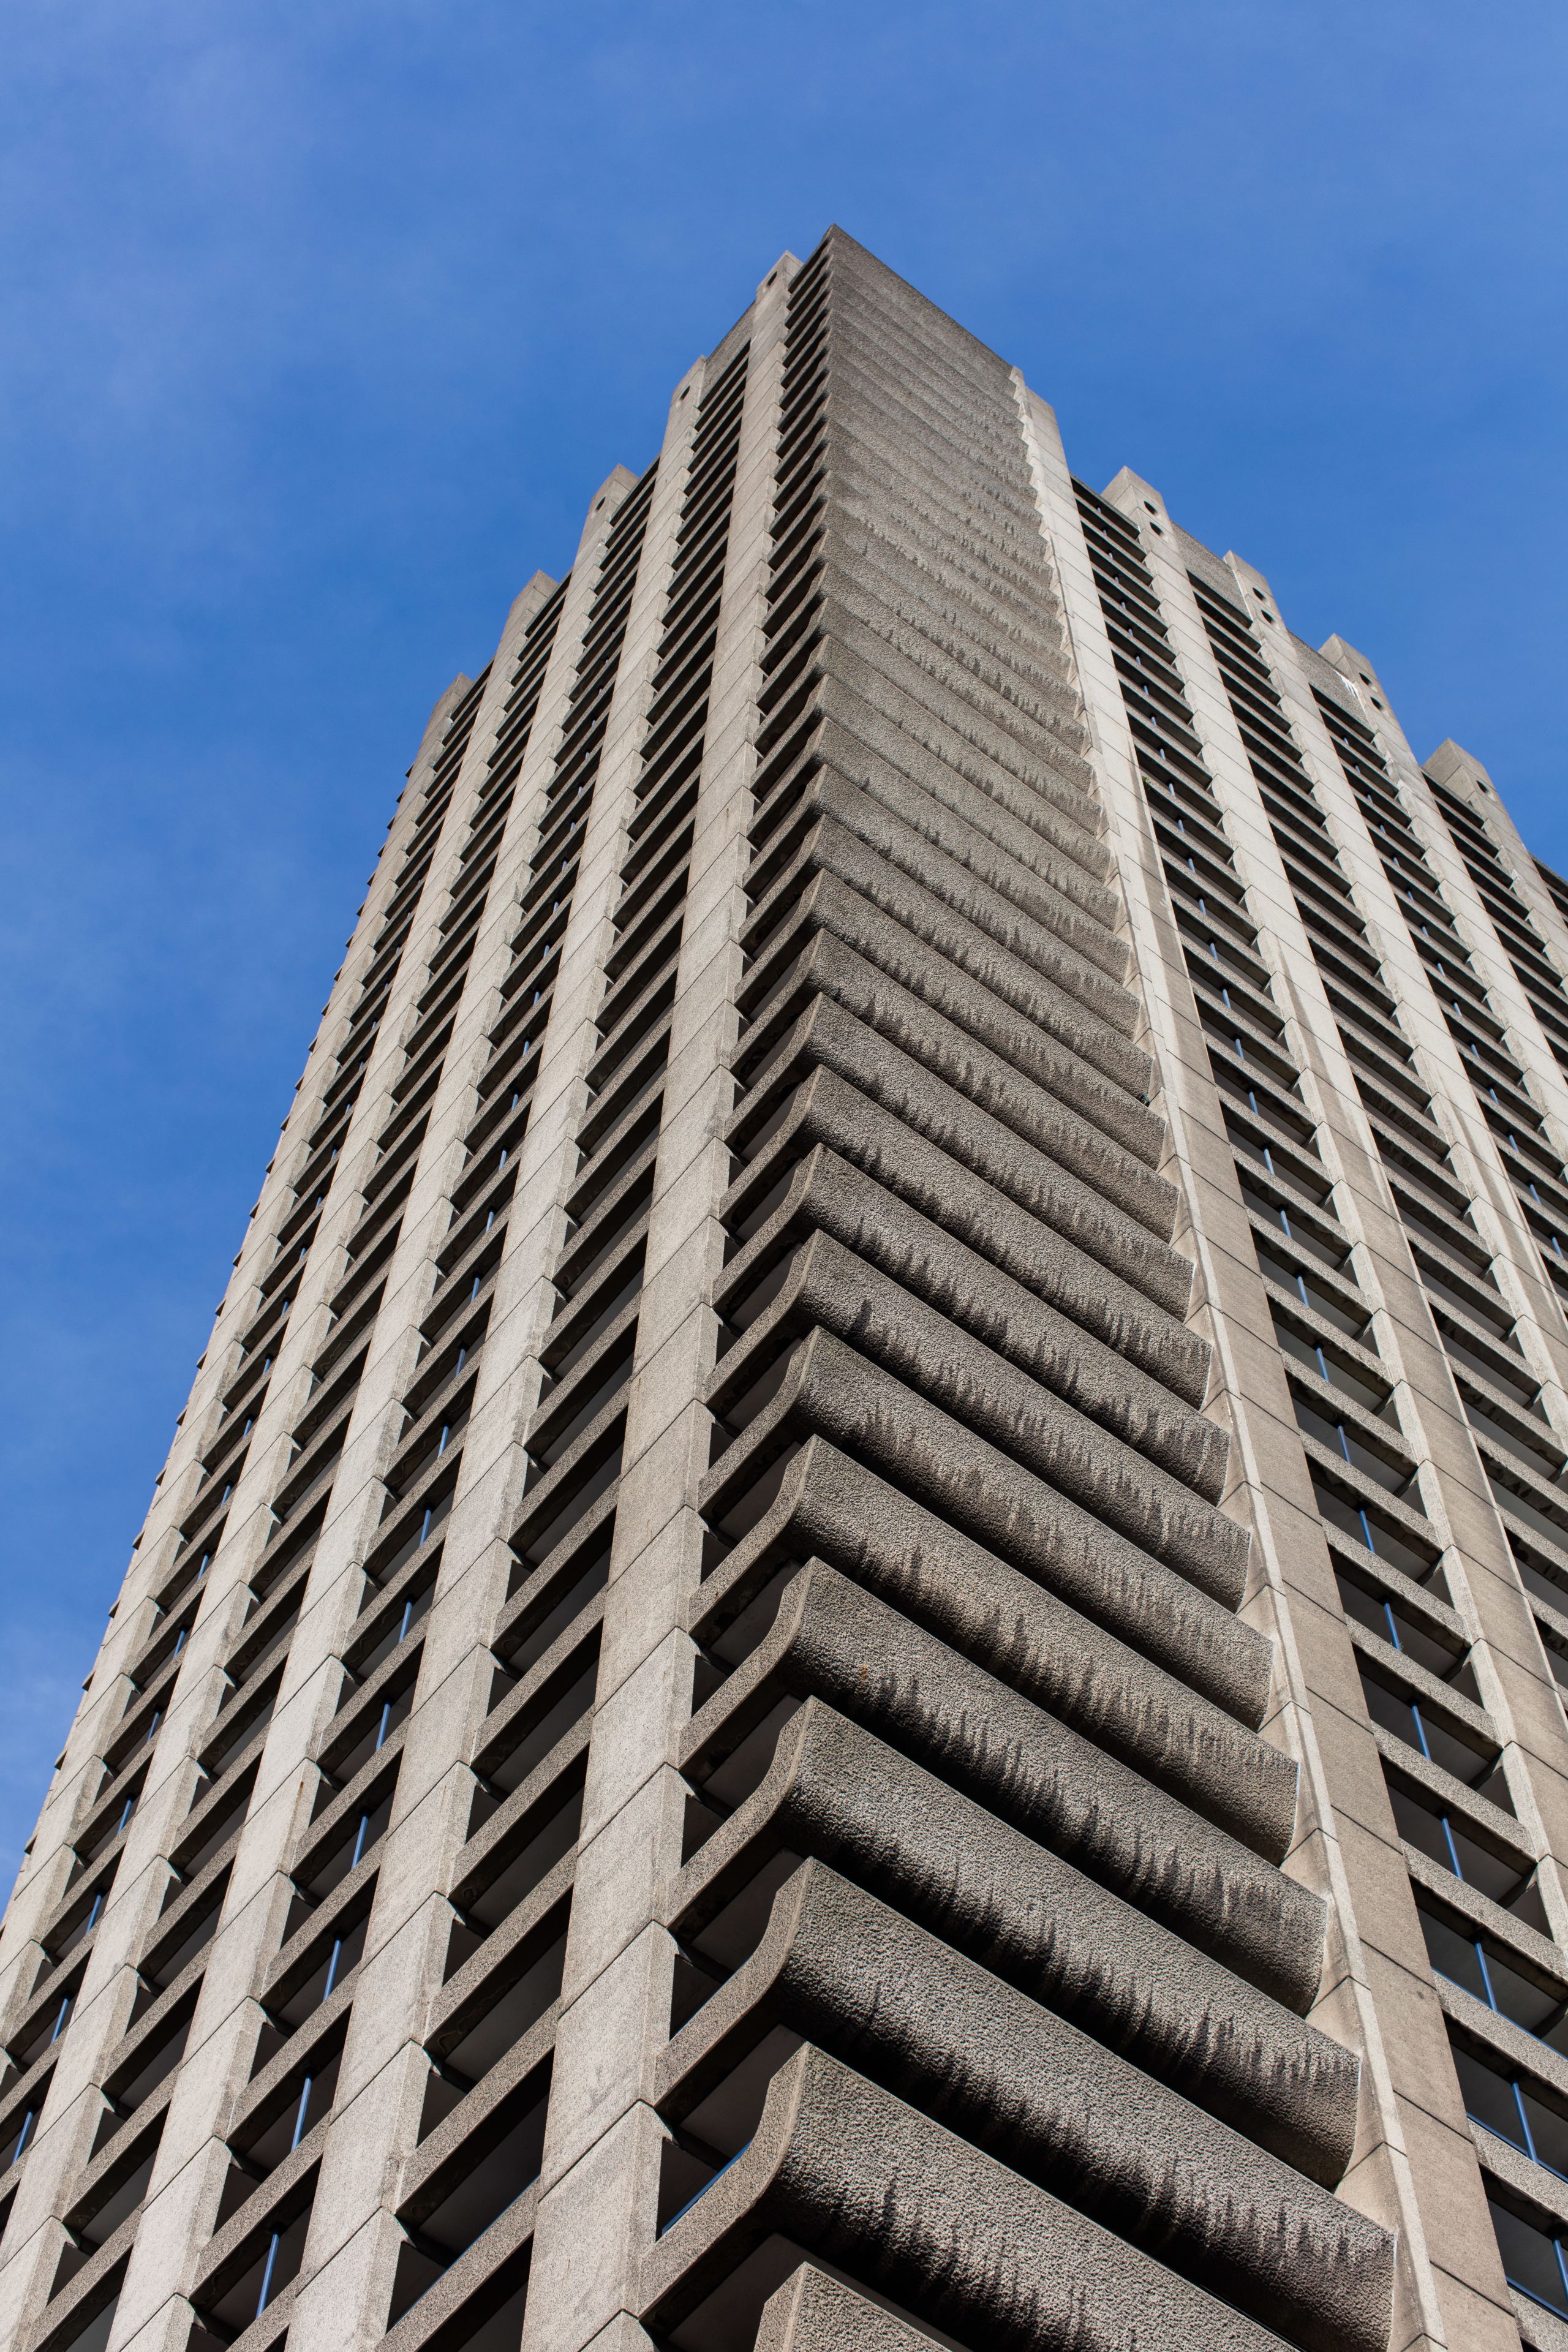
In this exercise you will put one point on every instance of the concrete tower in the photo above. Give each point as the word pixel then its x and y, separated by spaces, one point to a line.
pixel 854 1638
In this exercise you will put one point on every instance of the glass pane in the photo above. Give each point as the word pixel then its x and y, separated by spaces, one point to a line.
pixel 1396 1715
pixel 1421 1829
pixel 1528 2259
pixel 1361 1606
pixel 1454 1956
pixel 1498 1879
pixel 1487 1780
pixel 1338 1512
pixel 1525 2003
pixel 1554 2035
pixel 1490 2099
pixel 1549 2130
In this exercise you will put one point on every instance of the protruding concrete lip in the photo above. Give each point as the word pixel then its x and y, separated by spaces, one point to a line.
pixel 842 2168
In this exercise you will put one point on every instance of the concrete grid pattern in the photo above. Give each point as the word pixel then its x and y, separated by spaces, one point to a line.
pixel 857 1632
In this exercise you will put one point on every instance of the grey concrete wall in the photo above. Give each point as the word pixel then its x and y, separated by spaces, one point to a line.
pixel 1419 2166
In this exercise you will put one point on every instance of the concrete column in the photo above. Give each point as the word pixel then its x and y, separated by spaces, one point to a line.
pixel 601 2164
pixel 1292 1596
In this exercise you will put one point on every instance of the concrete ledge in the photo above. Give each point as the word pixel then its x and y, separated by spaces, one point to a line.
pixel 933 1261
pixel 813 2313
pixel 832 1641
pixel 826 1109
pixel 842 2169
pixel 830 1288
pixel 836 1793
pixel 832 1391
pixel 841 1970
pixel 834 1508
pixel 827 1036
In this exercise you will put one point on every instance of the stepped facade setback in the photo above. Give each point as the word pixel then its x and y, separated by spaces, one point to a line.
pixel 857 1633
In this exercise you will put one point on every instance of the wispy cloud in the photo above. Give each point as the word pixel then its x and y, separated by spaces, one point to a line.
pixel 322 320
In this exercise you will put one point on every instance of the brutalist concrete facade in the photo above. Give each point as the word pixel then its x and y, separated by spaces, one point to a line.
pixel 855 1635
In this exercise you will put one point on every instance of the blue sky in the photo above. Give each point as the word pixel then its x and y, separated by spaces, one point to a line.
pixel 323 319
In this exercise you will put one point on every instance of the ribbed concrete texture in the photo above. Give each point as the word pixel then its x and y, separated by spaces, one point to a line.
pixel 854 1636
